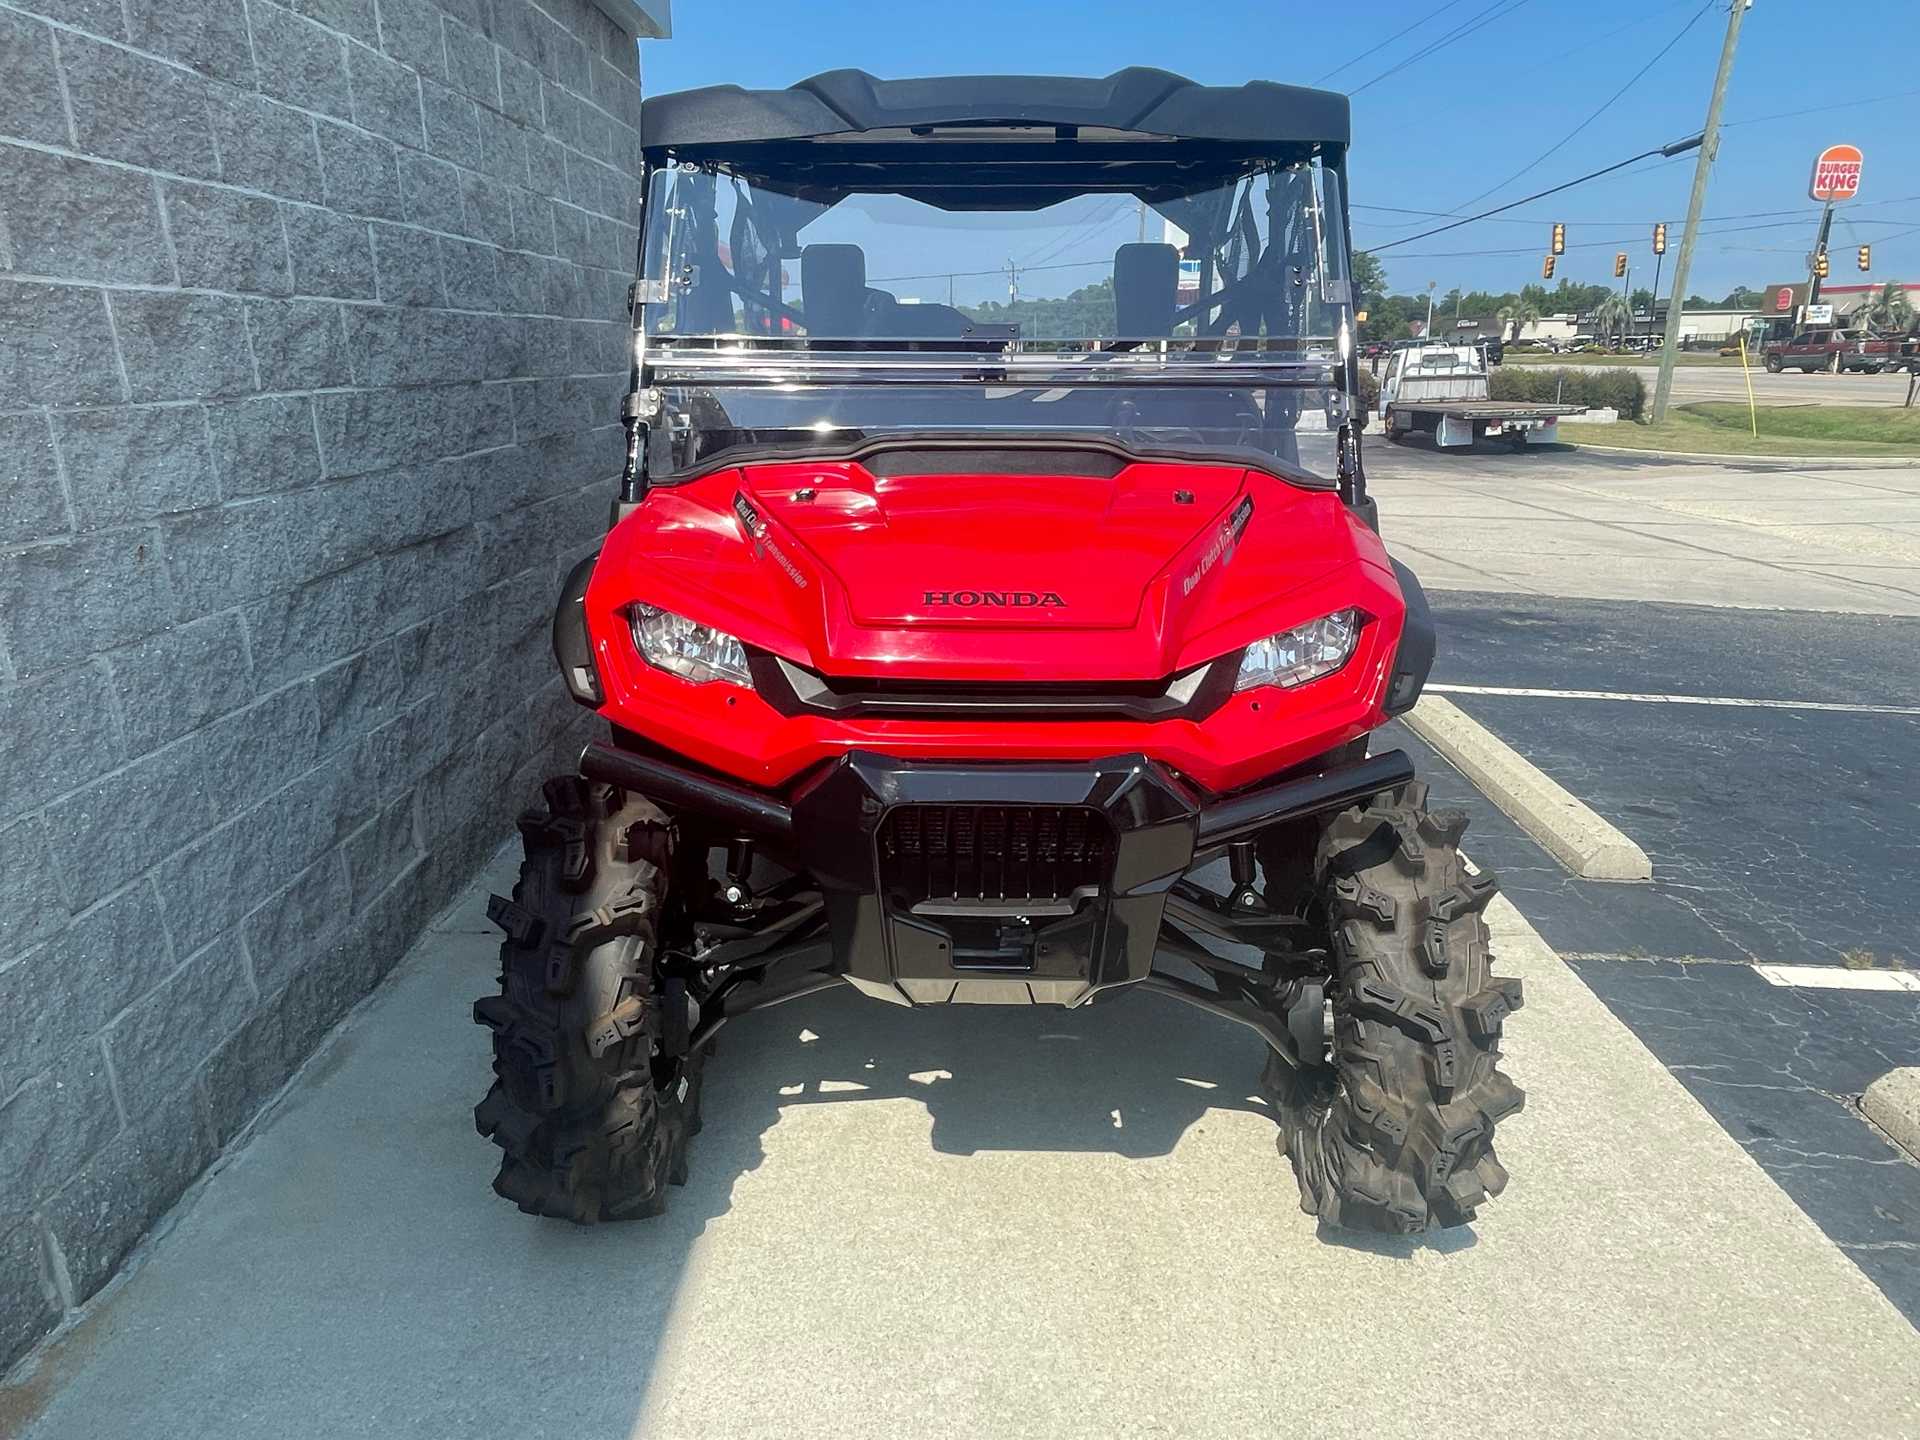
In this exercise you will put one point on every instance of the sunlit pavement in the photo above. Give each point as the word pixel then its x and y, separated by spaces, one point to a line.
pixel 969 1222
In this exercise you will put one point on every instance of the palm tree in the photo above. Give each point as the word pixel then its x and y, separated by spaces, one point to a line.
pixel 1890 310
pixel 1613 317
pixel 1519 315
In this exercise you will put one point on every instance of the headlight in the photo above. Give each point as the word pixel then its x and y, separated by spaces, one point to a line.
pixel 1303 653
pixel 686 648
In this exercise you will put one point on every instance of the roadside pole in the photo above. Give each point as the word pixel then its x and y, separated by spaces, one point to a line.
pixel 1709 147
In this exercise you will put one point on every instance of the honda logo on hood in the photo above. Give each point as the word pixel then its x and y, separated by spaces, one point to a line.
pixel 1010 599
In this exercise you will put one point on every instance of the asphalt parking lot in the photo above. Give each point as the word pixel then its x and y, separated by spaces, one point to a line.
pixel 1727 382
pixel 1788 834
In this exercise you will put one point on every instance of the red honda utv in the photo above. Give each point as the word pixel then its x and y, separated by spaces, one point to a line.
pixel 994 614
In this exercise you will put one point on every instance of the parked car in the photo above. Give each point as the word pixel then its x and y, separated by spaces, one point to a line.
pixel 1836 350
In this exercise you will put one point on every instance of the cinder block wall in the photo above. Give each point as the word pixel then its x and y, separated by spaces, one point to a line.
pixel 311 341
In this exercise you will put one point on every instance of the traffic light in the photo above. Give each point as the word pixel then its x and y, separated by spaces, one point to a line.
pixel 1619 264
pixel 1660 238
pixel 1866 257
pixel 1820 264
pixel 1546 268
pixel 1559 239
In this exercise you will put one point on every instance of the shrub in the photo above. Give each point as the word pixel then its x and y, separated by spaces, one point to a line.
pixel 1622 390
pixel 1369 389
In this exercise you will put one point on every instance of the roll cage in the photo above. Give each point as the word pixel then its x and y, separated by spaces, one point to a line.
pixel 1004 143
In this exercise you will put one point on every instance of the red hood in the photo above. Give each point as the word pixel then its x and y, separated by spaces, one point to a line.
pixel 969 550
pixel 972 576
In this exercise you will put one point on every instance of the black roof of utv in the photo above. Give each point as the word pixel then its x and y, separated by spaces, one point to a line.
pixel 967 141
pixel 1136 100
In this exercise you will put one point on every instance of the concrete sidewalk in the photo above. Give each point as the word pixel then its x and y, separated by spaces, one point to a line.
pixel 1767 533
pixel 970 1222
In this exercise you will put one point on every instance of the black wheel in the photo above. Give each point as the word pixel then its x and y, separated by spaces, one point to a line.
pixel 1396 432
pixel 1399 1137
pixel 597 1089
pixel 1774 364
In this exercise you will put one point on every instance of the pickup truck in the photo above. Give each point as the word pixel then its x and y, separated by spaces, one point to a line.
pixel 1442 389
pixel 1839 350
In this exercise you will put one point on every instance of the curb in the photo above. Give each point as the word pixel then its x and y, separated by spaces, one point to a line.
pixel 1570 831
pixel 1893 1103
pixel 1861 462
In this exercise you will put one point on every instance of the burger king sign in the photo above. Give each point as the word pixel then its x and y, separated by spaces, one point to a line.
pixel 1836 174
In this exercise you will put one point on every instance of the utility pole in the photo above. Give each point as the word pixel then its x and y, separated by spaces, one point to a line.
pixel 1427 334
pixel 1709 147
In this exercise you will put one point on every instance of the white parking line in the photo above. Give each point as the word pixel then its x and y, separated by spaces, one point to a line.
pixel 1526 692
pixel 1833 977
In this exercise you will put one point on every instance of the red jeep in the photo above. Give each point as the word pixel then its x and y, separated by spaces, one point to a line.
pixel 1003 650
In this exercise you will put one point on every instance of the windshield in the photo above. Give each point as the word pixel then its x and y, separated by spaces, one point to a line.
pixel 1212 319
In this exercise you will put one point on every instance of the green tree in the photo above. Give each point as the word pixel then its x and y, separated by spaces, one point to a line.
pixel 1613 318
pixel 1518 313
pixel 1742 299
pixel 1369 280
pixel 1889 310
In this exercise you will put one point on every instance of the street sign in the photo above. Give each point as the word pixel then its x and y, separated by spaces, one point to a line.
pixel 1783 302
pixel 1836 174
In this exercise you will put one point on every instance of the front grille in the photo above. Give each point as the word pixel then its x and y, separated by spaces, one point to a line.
pixel 960 859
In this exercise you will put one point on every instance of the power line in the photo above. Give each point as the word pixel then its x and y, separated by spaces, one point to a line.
pixel 1678 147
pixel 1611 100
pixel 1820 109
pixel 1460 32
pixel 1404 30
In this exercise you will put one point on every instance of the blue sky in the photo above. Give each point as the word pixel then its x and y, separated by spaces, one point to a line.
pixel 1460 118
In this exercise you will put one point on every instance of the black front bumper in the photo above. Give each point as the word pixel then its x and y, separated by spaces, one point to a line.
pixel 996 883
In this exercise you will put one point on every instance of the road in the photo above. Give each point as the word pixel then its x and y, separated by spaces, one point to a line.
pixel 1726 382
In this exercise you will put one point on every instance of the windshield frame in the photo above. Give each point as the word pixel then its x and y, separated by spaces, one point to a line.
pixel 661 361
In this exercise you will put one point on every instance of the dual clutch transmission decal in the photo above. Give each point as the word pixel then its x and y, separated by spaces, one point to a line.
pixel 757 531
pixel 1223 545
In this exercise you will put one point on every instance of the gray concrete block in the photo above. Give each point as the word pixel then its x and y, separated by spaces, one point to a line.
pixel 532 221
pixel 63 601
pixel 36 507
pixel 132 463
pixel 182 347
pixel 301 63
pixel 410 34
pixel 28 1308
pixel 471 282
pixel 96 17
pixel 226 240
pixel 59 996
pixel 520 97
pixel 181 679
pixel 523 283
pixel 128 107
pixel 505 146
pixel 30 104
pixel 54 732
pixel 281 1032
pixel 472 64
pixel 60 348
pixel 298 344
pixel 386 97
pixel 356 18
pixel 33 902
pixel 107 1207
pixel 453 132
pixel 211 886
pixel 430 190
pixel 263 445
pixel 293 927
pixel 372 430
pixel 381 851
pixel 266 146
pixel 362 170
pixel 160 1039
pixel 209 36
pixel 407 266
pixel 546 166
pixel 488 206
pixel 332 254
pixel 59 1118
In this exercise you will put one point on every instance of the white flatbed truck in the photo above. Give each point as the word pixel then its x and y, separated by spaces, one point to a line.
pixel 1442 389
